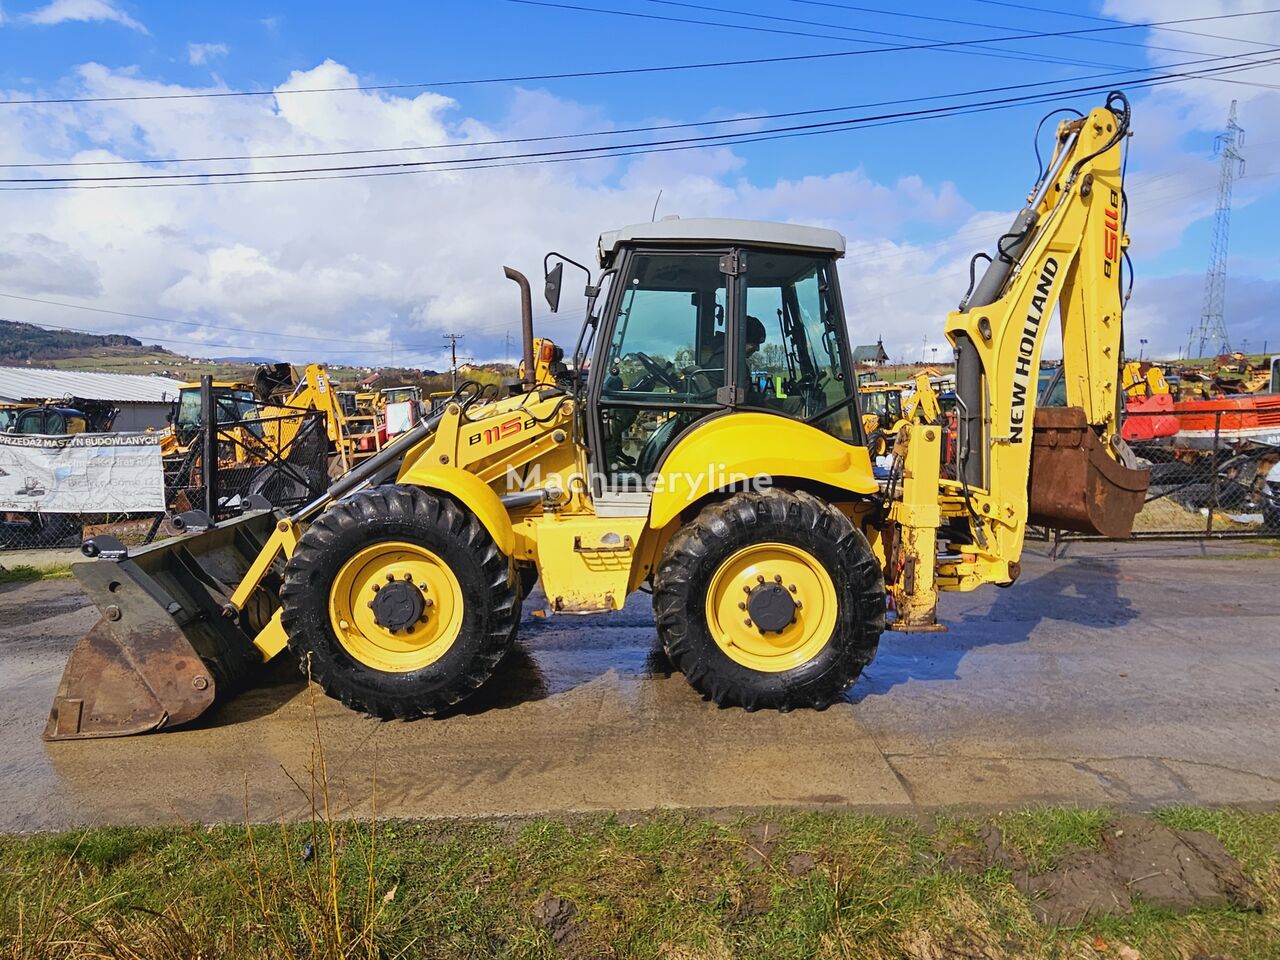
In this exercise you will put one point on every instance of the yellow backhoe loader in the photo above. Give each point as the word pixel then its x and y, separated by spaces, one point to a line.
pixel 716 457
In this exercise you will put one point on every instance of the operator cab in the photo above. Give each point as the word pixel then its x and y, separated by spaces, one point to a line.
pixel 234 404
pixel 49 420
pixel 707 316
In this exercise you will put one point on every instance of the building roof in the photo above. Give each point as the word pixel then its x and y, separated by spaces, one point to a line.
pixel 759 233
pixel 870 353
pixel 36 383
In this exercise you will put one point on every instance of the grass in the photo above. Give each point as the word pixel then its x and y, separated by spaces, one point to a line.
pixel 668 885
pixel 25 573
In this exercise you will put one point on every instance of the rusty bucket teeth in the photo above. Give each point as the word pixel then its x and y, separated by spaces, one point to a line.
pixel 1075 485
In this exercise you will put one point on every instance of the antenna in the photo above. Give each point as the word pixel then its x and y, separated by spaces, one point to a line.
pixel 654 216
pixel 1213 327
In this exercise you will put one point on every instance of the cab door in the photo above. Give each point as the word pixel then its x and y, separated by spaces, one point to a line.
pixel 660 365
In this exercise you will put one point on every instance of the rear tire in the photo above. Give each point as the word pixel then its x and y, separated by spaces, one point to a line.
pixel 376 670
pixel 810 661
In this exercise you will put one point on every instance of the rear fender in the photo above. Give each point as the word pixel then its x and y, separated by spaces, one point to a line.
pixel 729 451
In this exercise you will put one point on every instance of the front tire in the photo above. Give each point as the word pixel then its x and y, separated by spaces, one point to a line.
pixel 770 600
pixel 398 602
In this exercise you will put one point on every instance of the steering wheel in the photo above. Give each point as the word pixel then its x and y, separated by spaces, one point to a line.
pixel 657 370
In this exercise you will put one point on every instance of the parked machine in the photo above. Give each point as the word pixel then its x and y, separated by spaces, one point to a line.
pixel 263 416
pixel 733 481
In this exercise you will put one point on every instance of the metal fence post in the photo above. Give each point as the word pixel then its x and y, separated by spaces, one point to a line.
pixel 209 466
pixel 1213 480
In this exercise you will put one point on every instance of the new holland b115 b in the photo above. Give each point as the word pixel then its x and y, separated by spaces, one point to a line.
pixel 703 440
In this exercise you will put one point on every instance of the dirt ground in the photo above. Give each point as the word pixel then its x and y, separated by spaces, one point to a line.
pixel 1126 676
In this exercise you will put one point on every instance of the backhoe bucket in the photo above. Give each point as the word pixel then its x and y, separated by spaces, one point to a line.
pixel 166 645
pixel 1074 484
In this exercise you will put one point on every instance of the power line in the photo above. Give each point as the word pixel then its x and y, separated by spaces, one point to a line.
pixel 588 135
pixel 197 343
pixel 585 74
pixel 890 49
pixel 987 26
pixel 354 171
pixel 1086 16
pixel 346 341
pixel 652 128
pixel 976 50
pixel 187 323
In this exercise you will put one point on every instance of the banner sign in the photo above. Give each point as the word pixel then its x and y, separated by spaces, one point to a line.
pixel 81 473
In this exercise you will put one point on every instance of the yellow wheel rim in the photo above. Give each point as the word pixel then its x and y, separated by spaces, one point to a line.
pixel 808 584
pixel 357 585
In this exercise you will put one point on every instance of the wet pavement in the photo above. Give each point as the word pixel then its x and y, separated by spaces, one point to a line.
pixel 1118 675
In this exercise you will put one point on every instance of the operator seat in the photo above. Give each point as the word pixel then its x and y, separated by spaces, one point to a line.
pixel 657 444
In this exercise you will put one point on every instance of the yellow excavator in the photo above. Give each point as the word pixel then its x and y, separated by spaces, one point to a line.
pixel 712 457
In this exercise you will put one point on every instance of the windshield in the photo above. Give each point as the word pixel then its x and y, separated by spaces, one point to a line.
pixel 233 406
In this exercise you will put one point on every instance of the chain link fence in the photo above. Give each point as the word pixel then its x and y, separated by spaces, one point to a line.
pixel 1217 480
pixel 243 456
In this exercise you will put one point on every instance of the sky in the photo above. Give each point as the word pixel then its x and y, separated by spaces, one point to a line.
pixel 375 270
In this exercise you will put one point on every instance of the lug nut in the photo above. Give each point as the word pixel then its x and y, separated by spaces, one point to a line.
pixel 200 682
pixel 742 606
pixel 777 578
pixel 423 586
pixel 376 588
pixel 428 602
pixel 791 587
pixel 390 577
pixel 746 589
pixel 370 604
pixel 747 622
pixel 799 605
pixel 408 577
pixel 759 578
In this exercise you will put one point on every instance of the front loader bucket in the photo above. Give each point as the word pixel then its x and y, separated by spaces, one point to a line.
pixel 165 646
pixel 1074 484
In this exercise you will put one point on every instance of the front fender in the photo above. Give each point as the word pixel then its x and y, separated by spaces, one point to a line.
pixel 732 449
pixel 469 490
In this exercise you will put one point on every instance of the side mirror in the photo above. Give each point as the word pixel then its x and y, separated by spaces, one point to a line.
pixel 552 289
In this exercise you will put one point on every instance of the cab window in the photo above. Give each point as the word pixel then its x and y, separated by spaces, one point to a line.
pixel 666 358
pixel 790 356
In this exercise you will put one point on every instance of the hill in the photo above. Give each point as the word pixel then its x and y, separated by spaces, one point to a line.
pixel 22 341
pixel 22 344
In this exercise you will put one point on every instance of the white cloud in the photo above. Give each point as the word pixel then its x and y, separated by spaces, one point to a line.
pixel 201 53
pixel 401 259
pixel 62 11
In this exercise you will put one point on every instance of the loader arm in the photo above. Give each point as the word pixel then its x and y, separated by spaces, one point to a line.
pixel 1065 466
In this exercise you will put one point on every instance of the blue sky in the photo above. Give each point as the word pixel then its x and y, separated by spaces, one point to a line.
pixel 348 269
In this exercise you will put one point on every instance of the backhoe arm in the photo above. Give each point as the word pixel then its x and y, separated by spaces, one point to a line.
pixel 1064 467
pixel 1065 250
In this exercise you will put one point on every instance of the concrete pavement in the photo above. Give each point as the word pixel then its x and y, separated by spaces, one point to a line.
pixel 1129 675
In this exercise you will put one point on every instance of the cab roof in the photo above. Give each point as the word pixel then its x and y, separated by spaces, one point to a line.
pixel 710 231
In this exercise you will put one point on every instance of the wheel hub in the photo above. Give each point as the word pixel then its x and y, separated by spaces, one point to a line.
pixel 398 606
pixel 771 607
